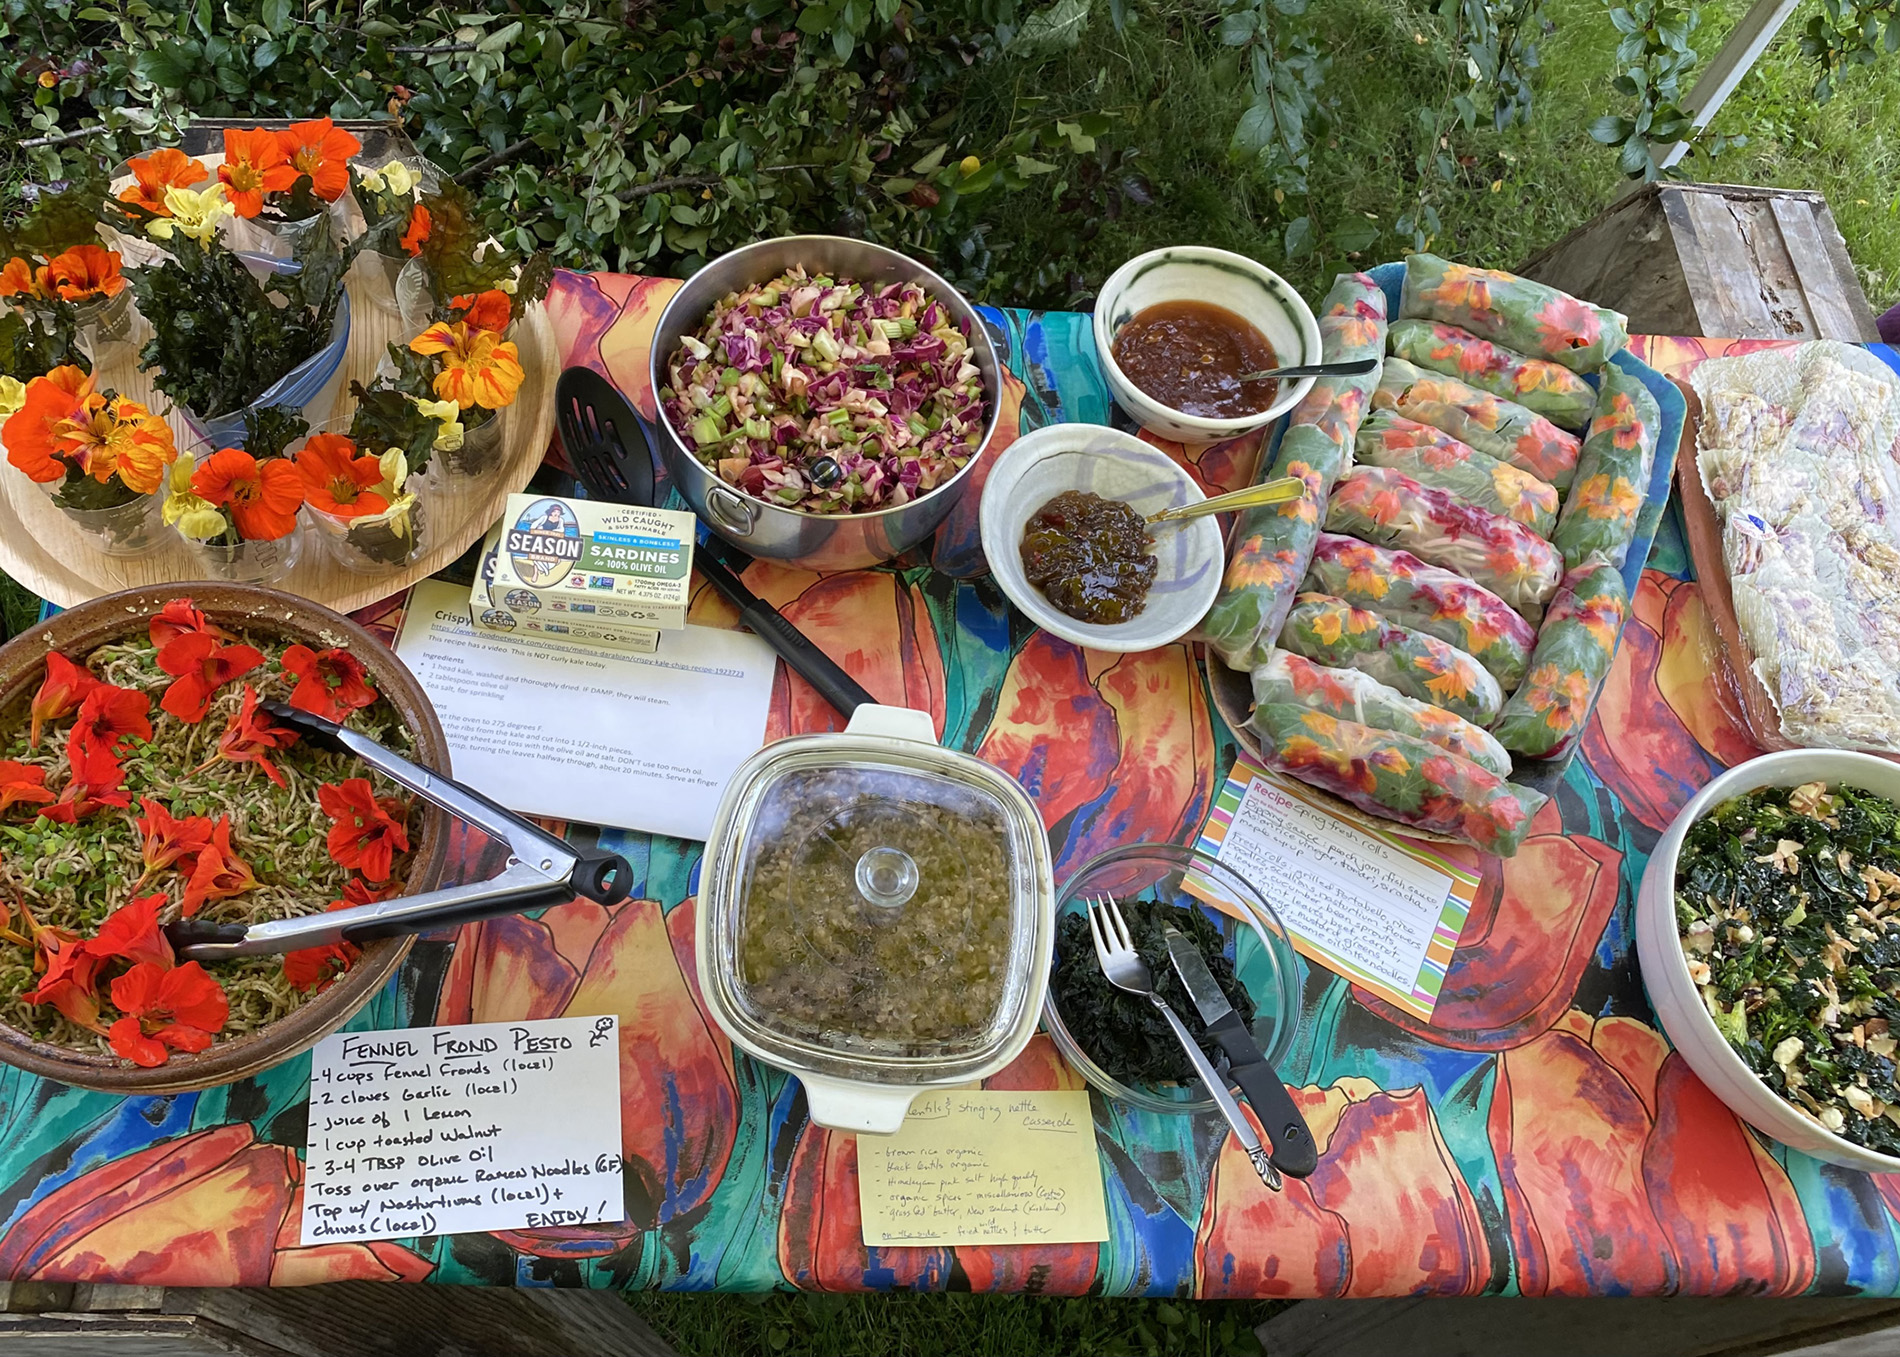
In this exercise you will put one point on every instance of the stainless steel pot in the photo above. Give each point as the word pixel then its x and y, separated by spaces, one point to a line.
pixel 814 541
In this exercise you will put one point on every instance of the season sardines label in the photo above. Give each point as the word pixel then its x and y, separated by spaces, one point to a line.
pixel 601 562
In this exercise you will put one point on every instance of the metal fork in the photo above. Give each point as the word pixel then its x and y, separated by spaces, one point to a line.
pixel 1125 970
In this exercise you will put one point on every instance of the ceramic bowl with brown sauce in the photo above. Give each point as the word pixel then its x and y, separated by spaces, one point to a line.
pixel 1177 330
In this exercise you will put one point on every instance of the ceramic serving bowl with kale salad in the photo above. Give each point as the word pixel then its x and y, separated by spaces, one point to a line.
pixel 141 781
pixel 1768 929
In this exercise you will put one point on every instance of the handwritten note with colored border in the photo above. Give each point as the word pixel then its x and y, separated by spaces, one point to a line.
pixel 1381 910
pixel 984 1167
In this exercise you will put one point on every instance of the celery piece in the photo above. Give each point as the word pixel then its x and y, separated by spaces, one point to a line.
pixel 707 430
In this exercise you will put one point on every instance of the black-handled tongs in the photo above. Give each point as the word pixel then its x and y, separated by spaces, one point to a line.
pixel 541 870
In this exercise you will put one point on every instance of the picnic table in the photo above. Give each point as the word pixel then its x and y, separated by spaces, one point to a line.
pixel 1537 1137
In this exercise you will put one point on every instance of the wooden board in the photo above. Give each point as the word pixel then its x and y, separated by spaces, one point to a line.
pixel 40 548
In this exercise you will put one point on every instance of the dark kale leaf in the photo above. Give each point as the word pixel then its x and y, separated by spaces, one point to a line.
pixel 33 344
pixel 1122 1032
pixel 271 429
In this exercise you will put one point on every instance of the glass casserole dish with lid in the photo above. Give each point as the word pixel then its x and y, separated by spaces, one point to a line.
pixel 875 916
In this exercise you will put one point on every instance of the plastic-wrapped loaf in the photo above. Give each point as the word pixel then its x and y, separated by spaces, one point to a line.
pixel 1545 717
pixel 1353 696
pixel 1520 314
pixel 1612 472
pixel 1331 631
pixel 1393 510
pixel 1271 546
pixel 1398 777
pixel 1403 589
pixel 1551 389
pixel 1433 457
pixel 1494 426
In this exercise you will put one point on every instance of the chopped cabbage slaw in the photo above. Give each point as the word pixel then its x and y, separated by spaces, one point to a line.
pixel 828 396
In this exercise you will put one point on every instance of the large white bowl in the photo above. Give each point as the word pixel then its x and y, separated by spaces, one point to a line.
pixel 1039 466
pixel 1666 973
pixel 1200 273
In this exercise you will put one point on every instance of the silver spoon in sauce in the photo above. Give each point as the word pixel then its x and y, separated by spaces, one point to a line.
pixel 1357 367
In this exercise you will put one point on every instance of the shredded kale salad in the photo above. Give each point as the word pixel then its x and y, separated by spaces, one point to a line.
pixel 1788 903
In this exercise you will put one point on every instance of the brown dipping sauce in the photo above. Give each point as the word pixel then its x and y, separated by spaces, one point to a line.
pixel 1189 356
pixel 1089 556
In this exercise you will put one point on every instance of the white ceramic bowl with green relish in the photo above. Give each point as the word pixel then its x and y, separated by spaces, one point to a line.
pixel 1677 999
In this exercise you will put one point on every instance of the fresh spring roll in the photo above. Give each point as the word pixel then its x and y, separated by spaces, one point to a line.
pixel 1271 546
pixel 1551 389
pixel 1403 589
pixel 1547 715
pixel 1494 426
pixel 1332 632
pixel 1353 696
pixel 1612 472
pixel 1432 457
pixel 1530 317
pixel 1397 777
pixel 1393 510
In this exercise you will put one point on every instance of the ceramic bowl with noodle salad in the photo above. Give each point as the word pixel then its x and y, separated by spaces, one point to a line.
pixel 158 787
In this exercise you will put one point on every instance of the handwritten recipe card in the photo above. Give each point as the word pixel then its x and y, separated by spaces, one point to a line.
pixel 1382 911
pixel 450 1130
pixel 985 1167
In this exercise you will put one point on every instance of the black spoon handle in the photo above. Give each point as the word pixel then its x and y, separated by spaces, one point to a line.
pixel 794 647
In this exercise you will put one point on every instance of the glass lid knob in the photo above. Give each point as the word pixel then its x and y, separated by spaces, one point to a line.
pixel 886 877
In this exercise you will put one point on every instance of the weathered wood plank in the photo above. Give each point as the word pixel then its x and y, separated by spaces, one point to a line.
pixel 1834 318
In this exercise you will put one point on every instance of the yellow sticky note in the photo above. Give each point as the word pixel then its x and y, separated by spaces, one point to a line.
pixel 985 1167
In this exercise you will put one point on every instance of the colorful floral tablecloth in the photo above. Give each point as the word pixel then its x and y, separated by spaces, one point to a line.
pixel 1537 1137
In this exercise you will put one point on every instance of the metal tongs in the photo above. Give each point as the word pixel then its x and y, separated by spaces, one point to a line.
pixel 541 870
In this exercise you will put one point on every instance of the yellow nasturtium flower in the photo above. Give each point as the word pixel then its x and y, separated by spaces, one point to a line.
pixel 195 213
pixel 195 518
pixel 448 415
pixel 12 396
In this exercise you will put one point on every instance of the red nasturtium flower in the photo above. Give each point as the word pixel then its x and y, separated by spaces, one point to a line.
pixel 254 164
pixel 490 310
pixel 167 167
pixel 250 737
pixel 71 978
pixel 85 271
pixel 322 150
pixel 368 831
pixel 18 278
pixel 131 933
pixel 169 840
pixel 219 874
pixel 330 683
pixel 41 432
pixel 182 1008
pixel 317 968
pixel 178 617
pixel 199 666
pixel 62 690
pixel 261 497
pixel 421 222
pixel 22 784
pixel 357 891
pixel 107 718
pixel 81 799
pixel 336 481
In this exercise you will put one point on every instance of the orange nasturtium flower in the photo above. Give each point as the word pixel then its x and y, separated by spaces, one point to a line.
pixel 167 167
pixel 478 366
pixel 84 272
pixel 39 434
pixel 336 481
pixel 262 498
pixel 254 164
pixel 123 437
pixel 18 278
pixel 490 310
pixel 421 222
pixel 321 150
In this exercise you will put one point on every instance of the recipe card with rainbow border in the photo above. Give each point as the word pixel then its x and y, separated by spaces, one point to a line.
pixel 1381 910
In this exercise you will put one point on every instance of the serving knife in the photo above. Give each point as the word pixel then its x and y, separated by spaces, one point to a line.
pixel 1293 1153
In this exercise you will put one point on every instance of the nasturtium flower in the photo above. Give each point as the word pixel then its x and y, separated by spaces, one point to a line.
pixel 322 150
pixel 22 784
pixel 254 165
pixel 395 177
pixel 331 683
pixel 131 933
pixel 85 271
pixel 250 737
pixel 168 840
pixel 71 981
pixel 196 213
pixel 107 719
pixel 368 831
pixel 40 433
pixel 64 688
pixel 123 438
pixel 479 368
pixel 12 396
pixel 199 666
pixel 448 416
pixel 168 167
pixel 195 518
pixel 18 278
pixel 181 1007
pixel 313 969
pixel 218 874
pixel 261 497
pixel 490 310
pixel 336 481
pixel 179 616
pixel 421 221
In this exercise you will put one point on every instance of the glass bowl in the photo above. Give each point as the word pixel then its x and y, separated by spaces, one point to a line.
pixel 1257 946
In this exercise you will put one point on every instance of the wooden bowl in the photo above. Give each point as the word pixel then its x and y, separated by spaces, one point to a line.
pixel 83 629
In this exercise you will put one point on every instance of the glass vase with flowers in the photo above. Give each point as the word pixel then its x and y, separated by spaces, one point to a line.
pixel 286 185
pixel 393 218
pixel 55 271
pixel 237 506
pixel 364 505
pixel 100 455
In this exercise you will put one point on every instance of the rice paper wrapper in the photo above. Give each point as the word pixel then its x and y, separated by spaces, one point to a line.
pixel 1332 632
pixel 1271 546
pixel 1403 589
pixel 1600 514
pixel 1529 317
pixel 1393 510
pixel 1398 777
pixel 1354 696
pixel 1545 717
pixel 1551 389
pixel 1497 427
pixel 1432 457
